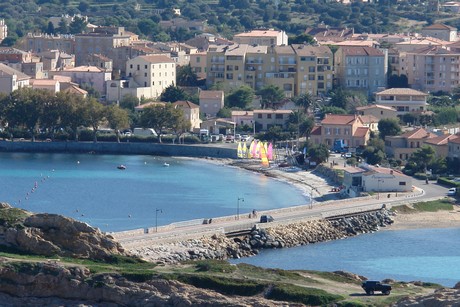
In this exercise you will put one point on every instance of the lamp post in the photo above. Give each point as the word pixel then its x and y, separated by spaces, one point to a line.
pixel 238 207
pixel 156 218
pixel 378 187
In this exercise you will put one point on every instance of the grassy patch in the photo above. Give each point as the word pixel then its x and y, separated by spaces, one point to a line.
pixel 12 216
pixel 308 296
pixel 429 206
pixel 259 272
pixel 335 277
pixel 224 285
pixel 217 266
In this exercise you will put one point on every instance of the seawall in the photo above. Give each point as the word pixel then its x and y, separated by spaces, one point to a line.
pixel 156 149
pixel 263 236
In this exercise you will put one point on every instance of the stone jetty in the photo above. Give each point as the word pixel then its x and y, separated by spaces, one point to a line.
pixel 266 236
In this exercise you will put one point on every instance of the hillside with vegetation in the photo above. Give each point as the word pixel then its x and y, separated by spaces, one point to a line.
pixel 224 17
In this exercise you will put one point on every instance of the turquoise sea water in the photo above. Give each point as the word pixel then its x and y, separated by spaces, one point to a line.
pixel 91 188
pixel 430 255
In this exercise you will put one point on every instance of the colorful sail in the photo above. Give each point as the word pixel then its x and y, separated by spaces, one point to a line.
pixel 270 152
pixel 252 149
pixel 239 151
pixel 244 150
pixel 263 157
pixel 258 147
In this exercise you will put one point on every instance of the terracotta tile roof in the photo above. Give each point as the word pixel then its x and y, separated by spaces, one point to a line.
pixel 375 106
pixel 308 50
pixel 186 104
pixel 339 119
pixel 369 119
pixel 441 140
pixel 44 82
pixel 65 79
pixel 316 130
pixel 361 132
pixel 149 104
pixel 76 90
pixel 357 43
pixel 157 59
pixel 5 69
pixel 439 26
pixel 211 94
pixel 418 133
pixel 363 51
pixel 401 91
pixel 454 140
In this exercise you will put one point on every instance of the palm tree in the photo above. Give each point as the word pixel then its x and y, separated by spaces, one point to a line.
pixel 304 101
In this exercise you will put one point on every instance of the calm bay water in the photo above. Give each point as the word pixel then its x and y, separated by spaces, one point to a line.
pixel 91 188
pixel 430 255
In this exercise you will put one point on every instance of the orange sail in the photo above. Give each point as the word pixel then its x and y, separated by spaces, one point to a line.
pixel 263 157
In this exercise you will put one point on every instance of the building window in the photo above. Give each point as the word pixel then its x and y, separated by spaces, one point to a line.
pixel 402 183
pixel 198 60
pixel 269 116
pixel 138 67
pixel 259 115
pixel 131 66
pixel 279 116
pixel 145 66
pixel 153 82
pixel 145 74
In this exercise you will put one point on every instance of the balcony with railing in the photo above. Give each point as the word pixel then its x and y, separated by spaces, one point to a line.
pixel 279 75
pixel 218 60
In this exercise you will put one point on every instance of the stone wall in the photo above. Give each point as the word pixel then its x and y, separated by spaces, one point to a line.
pixel 156 149
pixel 279 236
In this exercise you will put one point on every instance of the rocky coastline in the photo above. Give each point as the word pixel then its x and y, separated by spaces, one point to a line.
pixel 270 236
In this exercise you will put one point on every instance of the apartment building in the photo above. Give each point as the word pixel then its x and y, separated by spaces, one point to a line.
pixel 198 64
pixel 404 100
pixel 296 69
pixel 86 75
pixel 377 110
pixel 432 69
pixel 263 37
pixel 334 127
pixel 147 76
pixel 102 41
pixel 361 68
pixel 41 42
pixel 265 119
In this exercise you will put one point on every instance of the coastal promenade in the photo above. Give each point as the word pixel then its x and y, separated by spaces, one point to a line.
pixel 315 210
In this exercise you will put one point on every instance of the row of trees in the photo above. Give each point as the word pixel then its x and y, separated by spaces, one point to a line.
pixel 40 111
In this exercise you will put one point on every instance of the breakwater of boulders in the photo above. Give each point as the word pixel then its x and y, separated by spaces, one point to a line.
pixel 266 236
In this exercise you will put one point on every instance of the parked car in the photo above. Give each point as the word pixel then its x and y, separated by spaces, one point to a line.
pixel 237 137
pixel 244 138
pixel 452 192
pixel 266 219
pixel 229 139
pixel 370 286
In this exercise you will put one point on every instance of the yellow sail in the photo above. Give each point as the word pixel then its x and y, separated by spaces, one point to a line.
pixel 251 149
pixel 263 157
pixel 239 151
pixel 244 150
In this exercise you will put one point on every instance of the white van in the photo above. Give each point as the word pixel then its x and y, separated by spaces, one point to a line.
pixel 452 192
pixel 144 132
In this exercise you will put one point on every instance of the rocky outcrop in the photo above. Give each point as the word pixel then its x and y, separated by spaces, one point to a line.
pixel 51 284
pixel 279 236
pixel 52 234
pixel 440 298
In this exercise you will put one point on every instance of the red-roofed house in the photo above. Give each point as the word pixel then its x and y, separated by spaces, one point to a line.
pixel 191 113
pixel 377 110
pixel 440 144
pixel 45 84
pixel 367 178
pixel 265 119
pixel 441 31
pixel 404 145
pixel 453 148
pixel 349 128
pixel 86 75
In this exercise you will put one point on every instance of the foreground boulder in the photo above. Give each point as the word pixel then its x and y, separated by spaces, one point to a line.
pixel 53 235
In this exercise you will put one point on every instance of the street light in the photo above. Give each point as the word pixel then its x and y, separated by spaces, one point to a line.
pixel 378 187
pixel 156 218
pixel 238 207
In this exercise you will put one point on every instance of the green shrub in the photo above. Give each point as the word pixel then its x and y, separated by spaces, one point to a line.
pixel 224 285
pixel 12 216
pixel 141 276
pixel 447 182
pixel 351 304
pixel 29 268
pixel 308 296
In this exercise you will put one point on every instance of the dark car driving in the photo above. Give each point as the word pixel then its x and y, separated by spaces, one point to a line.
pixel 266 219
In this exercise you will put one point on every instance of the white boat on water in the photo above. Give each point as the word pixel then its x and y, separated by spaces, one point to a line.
pixel 166 164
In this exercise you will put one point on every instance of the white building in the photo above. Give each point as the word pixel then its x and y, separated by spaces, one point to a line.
pixel 147 76
pixel 12 79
